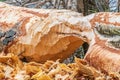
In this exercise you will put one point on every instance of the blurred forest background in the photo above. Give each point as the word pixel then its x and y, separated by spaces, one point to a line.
pixel 82 6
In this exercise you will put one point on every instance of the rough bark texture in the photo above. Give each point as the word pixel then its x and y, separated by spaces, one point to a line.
pixel 40 35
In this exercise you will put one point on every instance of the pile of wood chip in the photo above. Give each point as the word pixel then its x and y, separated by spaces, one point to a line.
pixel 11 68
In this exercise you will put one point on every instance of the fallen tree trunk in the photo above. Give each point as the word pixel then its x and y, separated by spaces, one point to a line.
pixel 40 35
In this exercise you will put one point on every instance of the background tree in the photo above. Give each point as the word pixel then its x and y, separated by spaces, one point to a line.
pixel 113 5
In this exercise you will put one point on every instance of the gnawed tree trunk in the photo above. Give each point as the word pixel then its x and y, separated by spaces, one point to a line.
pixel 40 35
pixel 104 53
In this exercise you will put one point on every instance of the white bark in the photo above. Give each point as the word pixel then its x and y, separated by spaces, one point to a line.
pixel 113 5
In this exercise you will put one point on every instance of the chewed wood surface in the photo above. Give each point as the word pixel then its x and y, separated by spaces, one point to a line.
pixel 46 34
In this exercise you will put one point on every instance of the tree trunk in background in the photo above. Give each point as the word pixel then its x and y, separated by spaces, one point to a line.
pixel 99 6
pixel 113 5
pixel 80 5
pixel 84 6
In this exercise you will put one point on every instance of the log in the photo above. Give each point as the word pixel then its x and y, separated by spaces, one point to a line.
pixel 38 34
pixel 104 53
pixel 44 34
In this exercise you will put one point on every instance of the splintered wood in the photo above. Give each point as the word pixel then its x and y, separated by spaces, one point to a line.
pixel 11 68
pixel 45 34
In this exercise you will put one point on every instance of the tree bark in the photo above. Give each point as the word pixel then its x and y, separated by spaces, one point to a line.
pixel 113 5
pixel 40 35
